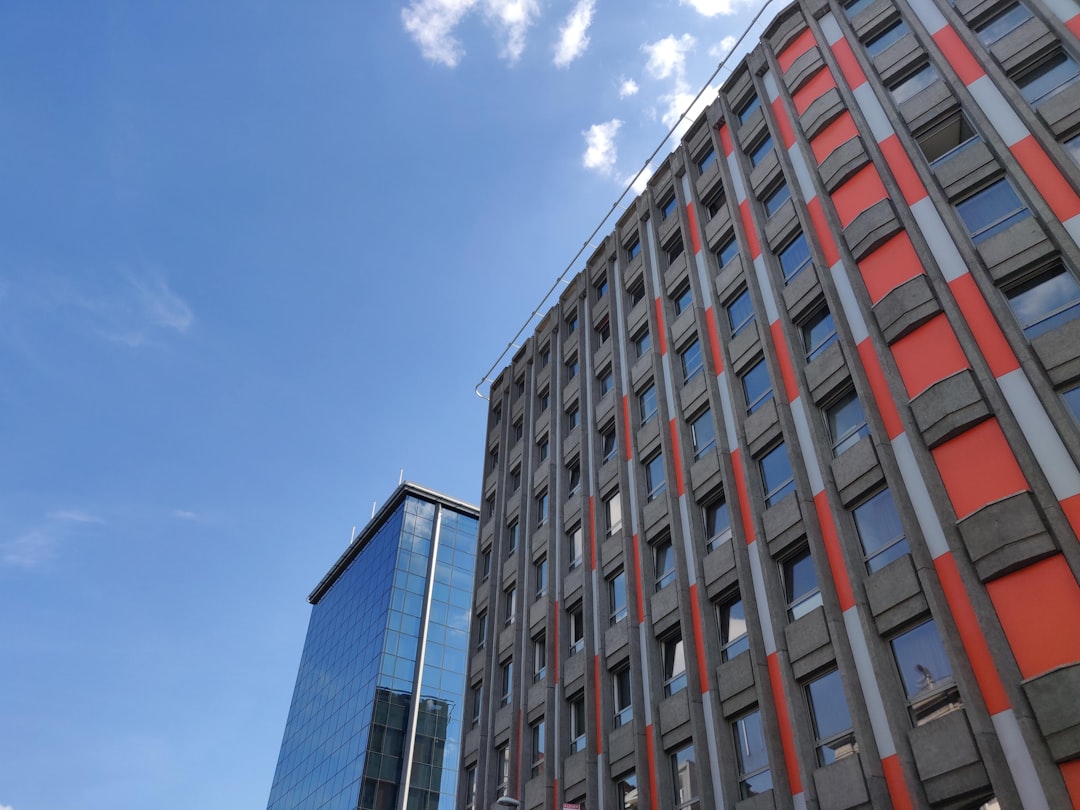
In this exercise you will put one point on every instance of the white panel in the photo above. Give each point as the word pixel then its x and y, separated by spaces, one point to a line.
pixel 688 542
pixel 802 174
pixel 875 114
pixel 759 596
pixel 875 706
pixel 1073 227
pixel 937 237
pixel 644 641
pixel 929 14
pixel 847 300
pixel 810 461
pixel 725 402
pixel 799 801
pixel 714 753
pixel 703 279
pixel 1020 762
pixel 920 496
pixel 1063 9
pixel 771 312
pixel 997 109
pixel 1056 463
pixel 771 89
pixel 831 29
pixel 736 179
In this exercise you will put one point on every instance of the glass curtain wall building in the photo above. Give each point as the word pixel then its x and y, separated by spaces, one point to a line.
pixel 781 498
pixel 375 719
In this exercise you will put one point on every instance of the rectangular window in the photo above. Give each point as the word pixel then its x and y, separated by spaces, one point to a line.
pixel 728 251
pixel 608 442
pixel 703 433
pixel 647 403
pixel 682 300
pixel 691 360
pixel 1048 78
pixel 846 422
pixel 758 153
pixel 946 137
pixel 481 630
pixel 542 449
pixel 572 368
pixel 519 431
pixel 617 596
pixel 829 713
pixel 991 210
pixel 510 605
pixel 577 628
pixel 664 563
pixel 654 476
pixel 536 732
pixel 926 673
pixel 740 312
pixel 794 257
pixel 673 250
pixel 571 324
pixel 477 703
pixel 577 724
pixel 613 513
pixel 576 546
pixel 1072 401
pixel 485 563
pixel 603 332
pixel 880 530
pixel 502 770
pixel 800 584
pixel 776 198
pixel 539 657
pixel 684 778
pixel 601 288
pixel 1072 148
pixel 607 381
pixel 914 83
pixel 573 417
pixel 633 249
pixel 493 459
pixel 507 681
pixel 819 332
pixel 573 476
pixel 854 7
pixel 1005 22
pixel 673 658
pixel 543 400
pixel 1045 302
pixel 756 386
pixel 705 159
pixel 545 356
pixel 717 522
pixel 637 292
pixel 642 343
pixel 540 576
pixel 511 538
pixel 776 474
pixel 541 509
pixel 747 109
pixel 880 43
pixel 624 700
pixel 752 755
pixel 733 637
pixel 470 788
pixel 667 207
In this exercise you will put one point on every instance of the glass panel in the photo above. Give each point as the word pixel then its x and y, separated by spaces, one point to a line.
pixel 991 210
pixel 831 718
pixel 915 83
pixel 945 139
pixel 754 774
pixel 818 333
pixel 1045 302
pixel 801 585
pixel 682 301
pixel 627 792
pixel 664 560
pixel 1048 78
pixel 674 661
pixel 777 198
pixel 846 421
pixel 880 530
pixel 717 519
pixel 1002 24
pixel 617 596
pixel 760 151
pixel 691 361
pixel 882 41
pixel 647 400
pixel 740 312
pixel 926 672
pixel 757 386
pixel 727 251
pixel 684 776
pixel 776 474
pixel 748 108
pixel 795 257
pixel 733 637
pixel 703 432
pixel 1072 400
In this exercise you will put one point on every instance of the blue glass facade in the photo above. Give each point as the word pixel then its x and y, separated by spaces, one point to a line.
pixel 379 696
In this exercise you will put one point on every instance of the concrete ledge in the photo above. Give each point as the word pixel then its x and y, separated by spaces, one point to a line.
pixel 503 718
pixel 895 595
pixel 762 426
pixel 782 524
pixel 780 224
pixel 842 162
pixel 648 433
pixel 730 279
pixel 929 105
pixel 535 793
pixel 802 292
pixel 809 645
pixel 803 69
pixel 897 58
pixel 974 10
pixel 856 471
pixel 1059 352
pixel 693 393
pixel 872 17
pixel 906 308
pixel 1020 246
pixel 1053 697
pixel 574 770
pixel 664 605
pixel 1061 112
pixel 871 228
pixel 822 112
pixel 611 549
pixel 841 785
pixel 572 584
pixel 537 615
pixel 743 348
pixel 719 227
pixel 682 325
pixel 573 673
pixel 609 471
pixel 719 569
pixel 966 168
pixel 949 407
pixel 762 801
pixel 761 174
pixel 754 125
pixel 1006 535
pixel 948 760
pixel 621 748
pixel 785 30
pixel 705 472
pixel 617 639
pixel 674 715
pixel 537 695
pixel 655 516
pixel 1023 45
pixel 735 683
pixel 826 372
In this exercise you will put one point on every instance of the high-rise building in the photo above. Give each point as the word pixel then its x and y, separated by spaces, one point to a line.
pixel 781 499
pixel 376 713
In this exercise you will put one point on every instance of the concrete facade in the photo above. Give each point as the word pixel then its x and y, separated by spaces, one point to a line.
pixel 827 393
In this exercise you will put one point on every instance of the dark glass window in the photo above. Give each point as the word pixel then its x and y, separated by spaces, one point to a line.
pixel 573 417
pixel 540 575
pixel 683 300
pixel 542 449
pixel 706 159
pixel 624 699
pixel 633 249
pixel 667 208
pixel 573 476
pixel 502 770
pixel 481 630
pixel 601 288
pixel 759 152
pixel 576 537
pixel 603 332
pixel 757 386
pixel 510 605
pixel 537 735
pixel 626 792
pixel 571 324
pixel 470 788
pixel 577 628
pixel 946 137
pixel 485 563
pixel 800 584
pixel 617 596
pixel 1008 20
pixel 740 312
pixel 543 400
pixel 747 108
pixel 507 681
pixel 776 474
pixel 1048 78
pixel 674 250
pixel 572 368
pixel 829 712
pixel 926 673
pixel 728 251
pixel 717 522
pixel 914 83
pixel 1046 301
pixel 541 509
pixel 853 8
pixel 664 563
pixel 673 657
pixel 642 343
pixel 846 422
pixel 647 403
pixel 703 433
pixel 577 724
pixel 880 43
pixel 880 530
pixel 991 210
pixel 1072 147
pixel 819 332
pixel 613 513
pixel 511 538
pixel 691 360
pixel 637 292
pixel 684 778
pixel 654 476
pixel 1072 401
pixel 607 381
pixel 608 442
pixel 794 257
pixel 715 204
pixel 775 198
pixel 733 638
pixel 753 757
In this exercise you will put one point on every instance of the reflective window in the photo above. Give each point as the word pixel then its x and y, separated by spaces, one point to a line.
pixel 481 630
pixel 880 530
pixel 502 770
pixel 539 657
pixel 507 681
pixel 691 361
pixel 674 249
pixel 829 713
pixel 846 422
pixel 991 210
pixel 854 7
pixel 477 702
pixel 728 251
pixel 1072 400
pixel 664 563
pixel 800 584
pixel 617 596
pixel 682 300
pixel 626 791
pixel 647 403
pixel 572 368
pixel 717 522
pixel 758 153
pixel 654 476
pixel 1048 78
pixel 624 701
pixel 485 563
pixel 703 433
pixel 573 476
pixel 510 605
pixel 573 417
pixel 926 673
pixel 775 198
pixel 607 442
pixel 667 207
pixel 511 538
pixel 945 138
pixel 601 288
pixel 753 758
pixel 577 628
pixel 880 43
pixel 673 658
pixel 613 513
pixel 576 544
pixel 776 475
pixel 603 330
pixel 543 400
pixel 819 332
pixel 637 292
pixel 470 788
pixel 1072 147
pixel 914 83
pixel 642 343
pixel 540 576
pixel 1046 301
pixel 740 312
pixel 537 735
pixel 706 159
pixel 684 777
pixel 756 386
pixel 1008 20
pixel 577 724
pixel 794 257
pixel 542 449
pixel 747 108
pixel 515 480
pixel 715 204
pixel 571 324
pixel 733 638
pixel 541 509
pixel 633 249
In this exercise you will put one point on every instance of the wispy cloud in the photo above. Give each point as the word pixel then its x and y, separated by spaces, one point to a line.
pixel 38 544
pixel 6 807
pixel 682 101
pixel 627 88
pixel 667 56
pixel 600 150
pixel 74 516
pixel 723 48
pixel 185 514
pixel 641 181
pixel 142 306
pixel 710 8
pixel 573 36
pixel 432 23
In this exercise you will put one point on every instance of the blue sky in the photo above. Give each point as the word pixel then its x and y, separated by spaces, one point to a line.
pixel 254 257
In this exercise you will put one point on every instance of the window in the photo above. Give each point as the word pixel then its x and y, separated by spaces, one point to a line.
pixel 654 476
pixel 539 646
pixel 601 288
pixel 545 356
pixel 507 680
pixel 758 153
pixel 511 538
pixel 819 332
pixel 576 546
pixel 571 324
pixel 642 343
pixel 626 792
pixel 1072 147
pixel 667 207
pixel 543 400
pixel 914 83
pixel 542 449
pixel 519 430
pixel 733 638
pixel 613 513
pixel 926 673
pixel 846 422
pixel 747 109
pixel 1046 301
pixel 607 442
pixel 541 509
pixel 1008 20
pixel 536 732
pixel 673 657
pixel 664 563
pixel 706 159
pixel 502 770
pixel 715 203
pixel 647 403
pixel 1072 401
pixel 617 596
pixel 776 474
pixel 491 506
pixel 753 758
pixel 573 417
pixel 577 724
pixel 991 210
pixel 477 703
pixel 624 701
pixel 740 312
pixel 682 300
pixel 497 414
pixel 515 479
pixel 880 530
pixel 717 522
pixel 853 8
pixel 573 476
pixel 757 386
pixel 633 249
pixel 684 778
pixel 481 630
pixel 485 563
pixel 510 605
pixel 703 433
pixel 470 788
pixel 829 713
pixel 775 198
pixel 577 629
pixel 636 292
pixel 878 44
pixel 673 249
pixel 794 257
pixel 572 367
pixel 1048 78
pixel 800 584
pixel 728 251
pixel 946 137
pixel 540 576
pixel 493 459
pixel 691 360
pixel 607 381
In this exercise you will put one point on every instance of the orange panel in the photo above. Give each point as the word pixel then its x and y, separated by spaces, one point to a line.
pixel 928 354
pixel 699 641
pixel 782 121
pixel 1052 185
pixel 1070 771
pixel 798 46
pixel 786 370
pixel 744 497
pixel 900 164
pixel 714 340
pixel 832 551
pixel 839 131
pixel 1039 609
pixel 984 326
pixel 695 238
pixel 813 90
pixel 824 233
pixel 1074 26
pixel 1071 507
pixel 965 65
pixel 889 266
pixel 751 232
pixel 889 415
pixel 849 65
pixel 725 140
pixel 661 336
pixel 787 739
pixel 978 467
pixel 894 780
pixel 676 458
pixel 858 193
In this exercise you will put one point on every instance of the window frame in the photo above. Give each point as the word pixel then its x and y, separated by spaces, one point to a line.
pixel 890 549
pixel 655 476
pixel 622 695
pixel 673 661
pixel 826 742
pixel 664 565
pixel 802 603
pixel 852 435
pixel 732 646
pixel 687 362
pixel 780 490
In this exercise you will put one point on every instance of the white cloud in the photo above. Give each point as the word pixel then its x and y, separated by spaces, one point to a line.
pixel 6 807
pixel 600 151
pixel 628 88
pixel 185 514
pixel 573 36
pixel 29 550
pixel 667 56
pixel 143 306
pixel 723 48
pixel 431 23
pixel 710 8
pixel 680 101
pixel 641 181
pixel 73 516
